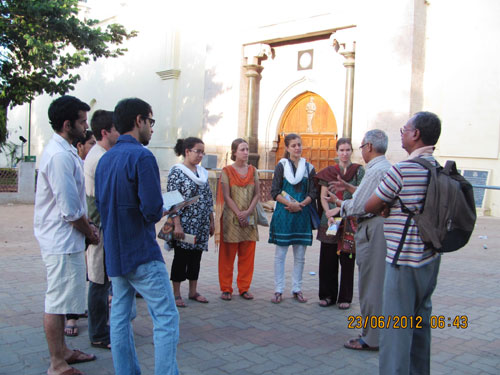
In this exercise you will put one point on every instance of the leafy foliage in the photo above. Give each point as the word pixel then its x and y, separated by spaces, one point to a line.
pixel 41 42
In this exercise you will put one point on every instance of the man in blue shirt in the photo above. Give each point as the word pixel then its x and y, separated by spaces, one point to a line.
pixel 128 197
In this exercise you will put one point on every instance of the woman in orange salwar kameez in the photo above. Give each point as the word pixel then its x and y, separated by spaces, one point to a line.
pixel 237 198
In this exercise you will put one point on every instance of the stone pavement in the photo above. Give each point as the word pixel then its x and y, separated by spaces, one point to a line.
pixel 256 337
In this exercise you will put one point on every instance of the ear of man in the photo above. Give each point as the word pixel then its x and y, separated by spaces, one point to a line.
pixel 138 121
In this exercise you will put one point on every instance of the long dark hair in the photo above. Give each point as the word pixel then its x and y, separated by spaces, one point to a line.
pixel 288 138
pixel 186 144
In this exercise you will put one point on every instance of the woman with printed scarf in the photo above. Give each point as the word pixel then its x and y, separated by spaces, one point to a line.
pixel 236 221
pixel 293 189
pixel 197 219
pixel 339 248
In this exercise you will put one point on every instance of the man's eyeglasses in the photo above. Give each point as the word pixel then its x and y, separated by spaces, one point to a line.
pixel 363 145
pixel 404 130
pixel 151 121
pixel 199 152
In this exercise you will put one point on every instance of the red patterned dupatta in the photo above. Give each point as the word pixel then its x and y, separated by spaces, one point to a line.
pixel 348 225
pixel 234 179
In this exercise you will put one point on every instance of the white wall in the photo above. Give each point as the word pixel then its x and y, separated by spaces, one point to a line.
pixel 462 85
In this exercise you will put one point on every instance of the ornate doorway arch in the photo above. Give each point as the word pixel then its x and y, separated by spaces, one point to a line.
pixel 310 116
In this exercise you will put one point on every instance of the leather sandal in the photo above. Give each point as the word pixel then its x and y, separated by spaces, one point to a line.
pixel 278 297
pixel 299 297
pixel 198 298
pixel 246 295
pixel 226 296
pixel 359 344
pixel 325 302
pixel 179 302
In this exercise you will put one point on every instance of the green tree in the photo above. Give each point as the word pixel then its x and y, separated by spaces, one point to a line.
pixel 41 42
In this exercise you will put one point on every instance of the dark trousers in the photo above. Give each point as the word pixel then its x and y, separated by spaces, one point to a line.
pixel 329 274
pixel 98 311
pixel 186 264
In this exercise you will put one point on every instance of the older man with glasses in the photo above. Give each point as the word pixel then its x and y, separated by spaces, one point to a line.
pixel 370 241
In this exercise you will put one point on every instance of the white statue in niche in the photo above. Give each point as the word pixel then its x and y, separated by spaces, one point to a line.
pixel 310 109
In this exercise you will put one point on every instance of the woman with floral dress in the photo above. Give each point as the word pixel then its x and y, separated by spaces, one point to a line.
pixel 197 219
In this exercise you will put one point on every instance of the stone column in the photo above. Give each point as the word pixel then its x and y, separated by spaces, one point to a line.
pixel 349 92
pixel 251 125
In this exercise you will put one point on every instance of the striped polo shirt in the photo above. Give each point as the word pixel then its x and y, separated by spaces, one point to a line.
pixel 408 181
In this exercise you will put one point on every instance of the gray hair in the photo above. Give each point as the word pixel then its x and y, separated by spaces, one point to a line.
pixel 378 140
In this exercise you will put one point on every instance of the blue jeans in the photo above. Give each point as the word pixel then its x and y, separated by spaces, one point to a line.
pixel 152 282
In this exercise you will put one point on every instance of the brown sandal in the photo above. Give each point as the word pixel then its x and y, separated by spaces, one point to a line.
pixel 226 296
pixel 179 302
pixel 246 295
pixel 198 298
pixel 358 344
pixel 325 302
pixel 299 297
pixel 277 298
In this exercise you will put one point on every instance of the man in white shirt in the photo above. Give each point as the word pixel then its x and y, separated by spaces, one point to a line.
pixel 61 226
pixel 99 284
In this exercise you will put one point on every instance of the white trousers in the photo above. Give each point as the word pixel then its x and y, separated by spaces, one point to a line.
pixel 299 256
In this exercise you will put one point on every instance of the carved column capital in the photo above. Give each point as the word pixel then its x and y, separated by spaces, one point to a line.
pixel 253 70
pixel 350 58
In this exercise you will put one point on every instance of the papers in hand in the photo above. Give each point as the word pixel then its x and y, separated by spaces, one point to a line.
pixel 334 227
pixel 173 201
pixel 287 196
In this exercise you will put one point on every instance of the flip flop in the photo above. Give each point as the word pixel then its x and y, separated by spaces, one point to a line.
pixel 76 357
pixel 179 302
pixel 71 331
pixel 325 302
pixel 101 345
pixel 299 297
pixel 197 298
pixel 278 297
pixel 358 344
pixel 72 371
pixel 247 295
pixel 226 296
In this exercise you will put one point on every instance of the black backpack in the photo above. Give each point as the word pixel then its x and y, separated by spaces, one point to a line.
pixel 448 215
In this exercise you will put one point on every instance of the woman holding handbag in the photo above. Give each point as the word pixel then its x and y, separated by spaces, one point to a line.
pixel 197 219
pixel 293 189
pixel 236 221
pixel 339 248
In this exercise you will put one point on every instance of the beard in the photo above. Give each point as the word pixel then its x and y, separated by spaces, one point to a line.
pixel 144 137
pixel 75 133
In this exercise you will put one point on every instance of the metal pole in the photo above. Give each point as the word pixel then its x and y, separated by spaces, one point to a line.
pixel 29 129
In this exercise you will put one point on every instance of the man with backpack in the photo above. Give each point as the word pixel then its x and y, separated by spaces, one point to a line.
pixel 412 268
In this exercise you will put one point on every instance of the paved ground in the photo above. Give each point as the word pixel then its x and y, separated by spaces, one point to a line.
pixel 256 337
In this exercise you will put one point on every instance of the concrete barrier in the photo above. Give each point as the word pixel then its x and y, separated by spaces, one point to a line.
pixel 26 186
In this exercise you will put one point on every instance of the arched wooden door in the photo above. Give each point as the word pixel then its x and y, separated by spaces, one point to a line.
pixel 310 116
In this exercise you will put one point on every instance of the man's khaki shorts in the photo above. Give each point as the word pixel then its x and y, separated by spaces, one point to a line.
pixel 66 283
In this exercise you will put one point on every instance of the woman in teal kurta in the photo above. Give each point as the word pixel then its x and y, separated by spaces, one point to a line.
pixel 293 189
